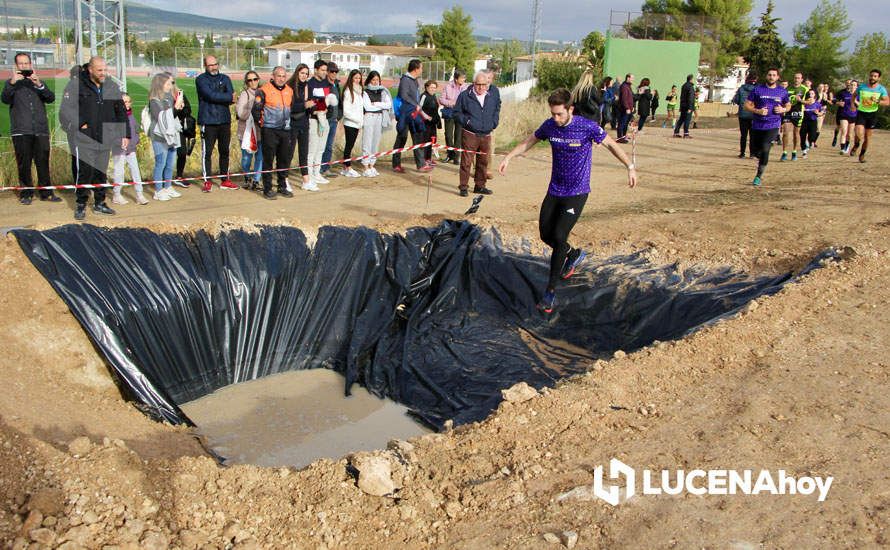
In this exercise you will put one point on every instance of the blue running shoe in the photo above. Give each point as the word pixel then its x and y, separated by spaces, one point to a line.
pixel 793 155
pixel 756 181
pixel 784 157
pixel 576 256
pixel 547 302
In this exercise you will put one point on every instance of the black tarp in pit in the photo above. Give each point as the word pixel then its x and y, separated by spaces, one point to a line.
pixel 438 319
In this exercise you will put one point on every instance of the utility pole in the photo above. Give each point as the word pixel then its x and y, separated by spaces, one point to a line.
pixel 537 14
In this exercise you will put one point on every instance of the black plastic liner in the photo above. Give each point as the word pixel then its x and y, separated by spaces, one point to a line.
pixel 438 319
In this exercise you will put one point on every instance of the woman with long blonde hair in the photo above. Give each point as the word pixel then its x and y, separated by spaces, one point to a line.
pixel 587 97
pixel 164 133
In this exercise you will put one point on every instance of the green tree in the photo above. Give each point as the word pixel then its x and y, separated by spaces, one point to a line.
pixel 557 73
pixel 766 49
pixel 504 57
pixel 593 47
pixel 426 34
pixel 872 51
pixel 304 35
pixel 209 42
pixel 819 41
pixel 455 41
pixel 375 41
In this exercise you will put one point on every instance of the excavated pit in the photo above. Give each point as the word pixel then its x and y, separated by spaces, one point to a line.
pixel 438 320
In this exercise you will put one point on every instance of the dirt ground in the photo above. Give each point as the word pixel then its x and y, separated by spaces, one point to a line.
pixel 800 381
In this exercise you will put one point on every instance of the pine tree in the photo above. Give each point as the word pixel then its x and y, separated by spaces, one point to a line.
pixel 819 41
pixel 767 49
pixel 455 42
pixel 872 52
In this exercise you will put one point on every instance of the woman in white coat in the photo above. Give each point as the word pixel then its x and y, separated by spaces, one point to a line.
pixel 353 105
pixel 378 117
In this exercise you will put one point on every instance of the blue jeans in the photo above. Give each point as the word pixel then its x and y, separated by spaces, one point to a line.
pixel 165 160
pixel 623 122
pixel 329 147
pixel 257 158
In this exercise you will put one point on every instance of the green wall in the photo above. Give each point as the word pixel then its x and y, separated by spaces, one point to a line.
pixel 665 63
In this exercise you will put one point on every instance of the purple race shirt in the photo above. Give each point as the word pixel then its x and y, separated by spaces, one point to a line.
pixel 848 110
pixel 764 96
pixel 811 111
pixel 572 147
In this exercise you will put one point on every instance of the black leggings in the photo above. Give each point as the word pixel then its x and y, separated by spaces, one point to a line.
pixel 299 136
pixel 809 132
pixel 745 130
pixel 762 142
pixel 351 136
pixel 558 217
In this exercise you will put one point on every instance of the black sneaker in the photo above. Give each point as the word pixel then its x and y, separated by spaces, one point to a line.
pixel 285 193
pixel 51 198
pixel 25 200
pixel 482 191
pixel 574 259
pixel 464 193
pixel 80 212
pixel 102 208
pixel 547 302
pixel 742 155
pixel 271 195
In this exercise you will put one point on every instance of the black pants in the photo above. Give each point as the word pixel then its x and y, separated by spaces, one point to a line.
pixel 182 154
pixel 761 143
pixel 32 149
pixel 683 120
pixel 92 165
pixel 745 135
pixel 623 122
pixel 453 131
pixel 351 136
pixel 558 217
pixel 809 131
pixel 277 146
pixel 401 141
pixel 299 136
pixel 642 121
pixel 216 135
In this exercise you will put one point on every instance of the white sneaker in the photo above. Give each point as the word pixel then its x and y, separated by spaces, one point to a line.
pixel 140 198
pixel 161 195
pixel 353 173
pixel 374 172
pixel 287 185
pixel 319 179
pixel 119 199
pixel 368 173
pixel 310 186
pixel 173 193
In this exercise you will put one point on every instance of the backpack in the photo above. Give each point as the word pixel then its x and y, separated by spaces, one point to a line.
pixel 397 106
pixel 145 121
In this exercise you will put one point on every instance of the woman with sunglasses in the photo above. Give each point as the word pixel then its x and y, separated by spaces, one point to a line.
pixel 246 123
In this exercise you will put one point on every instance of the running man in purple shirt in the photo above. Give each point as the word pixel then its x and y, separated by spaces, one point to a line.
pixel 571 142
pixel 768 102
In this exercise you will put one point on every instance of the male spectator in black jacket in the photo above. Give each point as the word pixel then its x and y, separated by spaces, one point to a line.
pixel 215 98
pixel 410 118
pixel 93 109
pixel 479 111
pixel 687 104
pixel 27 97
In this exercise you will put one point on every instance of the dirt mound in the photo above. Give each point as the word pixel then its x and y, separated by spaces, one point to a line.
pixel 799 382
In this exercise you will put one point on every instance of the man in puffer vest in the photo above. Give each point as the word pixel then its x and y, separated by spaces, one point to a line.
pixel 271 110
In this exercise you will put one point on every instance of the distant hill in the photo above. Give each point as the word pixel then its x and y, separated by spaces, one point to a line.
pixel 139 18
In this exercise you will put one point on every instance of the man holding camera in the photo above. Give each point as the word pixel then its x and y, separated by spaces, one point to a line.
pixel 27 97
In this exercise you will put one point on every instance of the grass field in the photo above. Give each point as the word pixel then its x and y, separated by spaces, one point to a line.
pixel 137 87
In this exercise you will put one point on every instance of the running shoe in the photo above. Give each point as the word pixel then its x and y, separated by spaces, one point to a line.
pixel 834 141
pixel 320 180
pixel 173 193
pixel 102 208
pixel 547 302
pixel 425 168
pixel 310 186
pixel 161 195
pixel 80 212
pixel 183 184
pixel 398 169
pixel 756 182
pixel 784 157
pixel 852 150
pixel 208 185
pixel 119 199
pixel 574 259
pixel 803 154
pixel 862 156
pixel 227 184
pixel 742 155
pixel 843 150
pixel 793 155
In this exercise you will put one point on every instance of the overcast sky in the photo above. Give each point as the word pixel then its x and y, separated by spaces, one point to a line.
pixel 563 19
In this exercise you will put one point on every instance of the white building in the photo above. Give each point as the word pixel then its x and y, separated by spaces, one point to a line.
pixel 387 60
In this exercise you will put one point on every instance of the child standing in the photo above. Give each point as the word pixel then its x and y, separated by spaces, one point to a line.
pixel 429 104
pixel 127 157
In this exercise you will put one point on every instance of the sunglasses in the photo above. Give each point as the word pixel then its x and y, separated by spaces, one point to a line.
pixel 255 79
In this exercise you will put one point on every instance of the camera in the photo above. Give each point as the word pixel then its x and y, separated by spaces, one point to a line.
pixel 26 72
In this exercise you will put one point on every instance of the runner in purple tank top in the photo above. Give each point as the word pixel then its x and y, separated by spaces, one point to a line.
pixel 571 141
